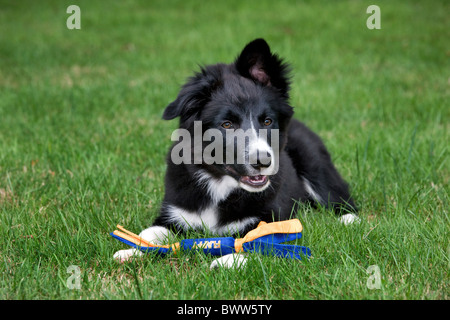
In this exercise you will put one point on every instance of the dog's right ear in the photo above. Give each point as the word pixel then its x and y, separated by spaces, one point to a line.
pixel 193 95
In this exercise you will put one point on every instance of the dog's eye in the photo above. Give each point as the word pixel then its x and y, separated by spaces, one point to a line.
pixel 267 122
pixel 227 125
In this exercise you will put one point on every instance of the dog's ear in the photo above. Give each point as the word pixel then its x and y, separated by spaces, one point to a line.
pixel 186 104
pixel 193 95
pixel 257 62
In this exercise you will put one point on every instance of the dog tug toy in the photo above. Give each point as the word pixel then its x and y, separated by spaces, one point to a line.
pixel 266 238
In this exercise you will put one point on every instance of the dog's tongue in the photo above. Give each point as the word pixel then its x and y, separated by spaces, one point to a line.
pixel 254 181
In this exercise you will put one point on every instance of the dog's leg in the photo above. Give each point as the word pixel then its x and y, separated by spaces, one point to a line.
pixel 125 255
pixel 230 261
pixel 155 235
pixel 349 218
pixel 346 219
pixel 322 182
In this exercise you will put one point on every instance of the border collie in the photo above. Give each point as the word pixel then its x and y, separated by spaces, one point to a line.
pixel 228 196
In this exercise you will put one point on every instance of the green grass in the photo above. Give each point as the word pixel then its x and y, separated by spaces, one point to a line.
pixel 82 144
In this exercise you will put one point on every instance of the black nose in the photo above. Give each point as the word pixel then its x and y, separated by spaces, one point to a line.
pixel 262 163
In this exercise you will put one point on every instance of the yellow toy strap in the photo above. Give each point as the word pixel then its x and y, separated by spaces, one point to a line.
pixel 134 238
pixel 264 229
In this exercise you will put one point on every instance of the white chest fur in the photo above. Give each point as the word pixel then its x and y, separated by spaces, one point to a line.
pixel 218 189
pixel 207 219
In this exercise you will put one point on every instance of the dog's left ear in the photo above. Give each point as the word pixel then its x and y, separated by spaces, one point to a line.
pixel 257 62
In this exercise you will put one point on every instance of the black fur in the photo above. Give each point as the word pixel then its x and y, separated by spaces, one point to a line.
pixel 255 86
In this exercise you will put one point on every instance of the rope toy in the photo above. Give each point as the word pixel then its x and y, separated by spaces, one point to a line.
pixel 266 239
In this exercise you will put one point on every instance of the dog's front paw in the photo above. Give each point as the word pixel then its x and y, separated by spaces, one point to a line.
pixel 349 218
pixel 229 261
pixel 125 255
pixel 155 234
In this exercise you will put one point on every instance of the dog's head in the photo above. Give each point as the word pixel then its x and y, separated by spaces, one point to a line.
pixel 241 113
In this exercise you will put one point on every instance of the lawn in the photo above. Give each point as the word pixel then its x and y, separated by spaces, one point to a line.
pixel 83 145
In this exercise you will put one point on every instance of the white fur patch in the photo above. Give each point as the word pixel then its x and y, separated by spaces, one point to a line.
pixel 124 255
pixel 205 219
pixel 155 234
pixel 191 220
pixel 349 218
pixel 230 261
pixel 218 189
pixel 258 145
pixel 309 189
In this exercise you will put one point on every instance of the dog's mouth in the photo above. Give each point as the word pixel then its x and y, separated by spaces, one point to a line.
pixel 253 183
pixel 258 181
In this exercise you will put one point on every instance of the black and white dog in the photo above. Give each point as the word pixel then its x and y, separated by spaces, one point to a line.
pixel 231 188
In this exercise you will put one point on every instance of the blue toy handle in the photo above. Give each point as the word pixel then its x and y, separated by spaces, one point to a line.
pixel 214 246
pixel 277 249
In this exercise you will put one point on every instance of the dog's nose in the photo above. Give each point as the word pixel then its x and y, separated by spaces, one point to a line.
pixel 262 163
